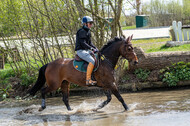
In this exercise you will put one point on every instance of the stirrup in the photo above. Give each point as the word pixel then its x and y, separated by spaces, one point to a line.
pixel 90 82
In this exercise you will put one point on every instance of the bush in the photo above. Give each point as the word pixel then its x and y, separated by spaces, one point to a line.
pixel 6 74
pixel 142 74
pixel 27 80
pixel 4 91
pixel 173 74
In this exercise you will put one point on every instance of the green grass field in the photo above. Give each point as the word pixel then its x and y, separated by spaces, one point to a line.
pixel 129 27
pixel 158 45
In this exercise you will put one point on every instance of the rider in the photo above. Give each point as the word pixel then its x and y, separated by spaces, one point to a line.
pixel 84 46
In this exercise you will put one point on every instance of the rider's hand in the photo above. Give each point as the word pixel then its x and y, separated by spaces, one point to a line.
pixel 94 50
pixel 97 50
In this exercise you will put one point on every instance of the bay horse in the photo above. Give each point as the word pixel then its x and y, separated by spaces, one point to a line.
pixel 61 72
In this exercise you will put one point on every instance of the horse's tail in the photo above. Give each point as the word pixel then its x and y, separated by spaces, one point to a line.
pixel 40 81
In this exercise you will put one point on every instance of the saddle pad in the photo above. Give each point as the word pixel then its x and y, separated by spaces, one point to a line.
pixel 82 65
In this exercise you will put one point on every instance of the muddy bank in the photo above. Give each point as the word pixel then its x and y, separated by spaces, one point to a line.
pixel 127 83
pixel 133 87
pixel 19 91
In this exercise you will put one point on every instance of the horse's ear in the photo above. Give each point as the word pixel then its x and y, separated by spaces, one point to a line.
pixel 128 39
pixel 131 36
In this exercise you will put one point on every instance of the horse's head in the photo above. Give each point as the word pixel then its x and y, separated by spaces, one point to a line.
pixel 127 50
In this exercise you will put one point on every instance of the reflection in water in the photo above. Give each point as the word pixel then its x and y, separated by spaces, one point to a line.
pixel 163 108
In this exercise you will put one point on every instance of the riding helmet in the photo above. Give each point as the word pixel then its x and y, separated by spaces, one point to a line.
pixel 87 19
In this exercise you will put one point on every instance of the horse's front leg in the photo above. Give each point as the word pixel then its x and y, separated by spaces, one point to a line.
pixel 108 94
pixel 118 96
pixel 65 90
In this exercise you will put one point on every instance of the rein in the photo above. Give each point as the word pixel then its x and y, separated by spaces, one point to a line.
pixel 107 60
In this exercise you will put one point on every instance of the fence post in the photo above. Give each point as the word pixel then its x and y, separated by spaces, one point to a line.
pixel 185 34
pixel 179 30
pixel 175 29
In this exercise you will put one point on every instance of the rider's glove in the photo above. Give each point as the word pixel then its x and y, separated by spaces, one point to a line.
pixel 94 50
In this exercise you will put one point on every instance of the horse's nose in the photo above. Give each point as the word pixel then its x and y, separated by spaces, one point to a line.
pixel 135 62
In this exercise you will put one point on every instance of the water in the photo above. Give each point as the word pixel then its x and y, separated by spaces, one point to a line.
pixel 159 108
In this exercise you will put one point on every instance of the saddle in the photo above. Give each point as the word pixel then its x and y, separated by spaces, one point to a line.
pixel 81 65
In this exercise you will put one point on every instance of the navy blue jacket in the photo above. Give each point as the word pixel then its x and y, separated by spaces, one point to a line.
pixel 83 39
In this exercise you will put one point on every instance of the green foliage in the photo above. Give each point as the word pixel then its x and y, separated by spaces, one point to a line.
pixel 142 74
pixel 125 77
pixel 27 80
pixel 173 74
pixel 73 86
pixel 162 12
pixel 10 15
pixel 186 9
pixel 4 91
pixel 4 74
pixel 4 82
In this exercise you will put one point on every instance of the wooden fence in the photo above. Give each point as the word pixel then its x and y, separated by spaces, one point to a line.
pixel 181 32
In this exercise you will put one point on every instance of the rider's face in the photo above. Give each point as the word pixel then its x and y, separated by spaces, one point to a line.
pixel 89 24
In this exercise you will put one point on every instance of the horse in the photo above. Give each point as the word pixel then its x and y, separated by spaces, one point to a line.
pixel 61 73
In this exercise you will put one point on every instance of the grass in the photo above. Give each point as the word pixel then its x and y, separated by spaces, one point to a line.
pixel 163 48
pixel 129 27
pixel 154 40
pixel 158 45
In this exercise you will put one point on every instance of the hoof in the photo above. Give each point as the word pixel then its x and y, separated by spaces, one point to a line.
pixel 127 109
pixel 41 108
pixel 70 109
pixel 94 110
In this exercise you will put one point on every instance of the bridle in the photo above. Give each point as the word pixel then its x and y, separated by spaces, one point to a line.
pixel 102 57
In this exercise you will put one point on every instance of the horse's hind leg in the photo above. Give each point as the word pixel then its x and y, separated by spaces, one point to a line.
pixel 44 91
pixel 65 90
pixel 108 94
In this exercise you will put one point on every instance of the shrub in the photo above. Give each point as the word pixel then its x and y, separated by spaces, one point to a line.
pixel 173 74
pixel 4 91
pixel 142 74
pixel 6 74
pixel 27 80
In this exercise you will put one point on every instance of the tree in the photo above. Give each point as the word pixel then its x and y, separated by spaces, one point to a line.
pixel 45 29
pixel 186 9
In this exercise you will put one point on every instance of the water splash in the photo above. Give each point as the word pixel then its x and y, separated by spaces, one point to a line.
pixel 85 107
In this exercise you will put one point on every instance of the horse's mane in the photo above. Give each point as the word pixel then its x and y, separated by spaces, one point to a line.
pixel 111 41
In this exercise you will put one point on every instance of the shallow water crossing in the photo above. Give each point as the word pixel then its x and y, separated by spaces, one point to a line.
pixel 158 108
